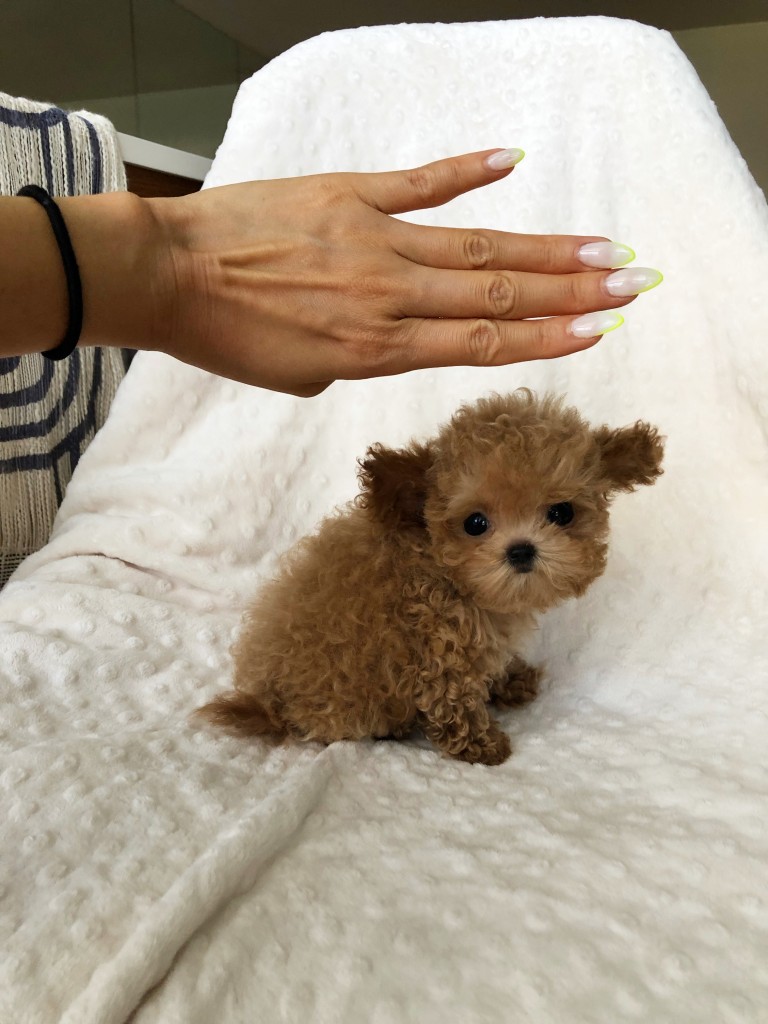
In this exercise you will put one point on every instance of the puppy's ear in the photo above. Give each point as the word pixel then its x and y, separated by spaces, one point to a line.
pixel 629 456
pixel 394 483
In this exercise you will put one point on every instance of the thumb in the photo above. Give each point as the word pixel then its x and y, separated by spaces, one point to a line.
pixel 436 183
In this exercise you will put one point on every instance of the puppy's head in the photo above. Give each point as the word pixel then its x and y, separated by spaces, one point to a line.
pixel 514 495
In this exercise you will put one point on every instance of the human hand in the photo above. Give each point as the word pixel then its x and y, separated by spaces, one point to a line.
pixel 291 283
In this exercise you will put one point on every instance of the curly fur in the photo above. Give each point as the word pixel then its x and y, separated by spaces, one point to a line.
pixel 391 617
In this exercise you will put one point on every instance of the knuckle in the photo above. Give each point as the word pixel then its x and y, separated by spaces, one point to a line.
pixel 502 295
pixel 573 291
pixel 484 343
pixel 371 352
pixel 544 338
pixel 423 181
pixel 542 335
pixel 382 294
pixel 479 250
pixel 328 190
pixel 369 287
pixel 551 254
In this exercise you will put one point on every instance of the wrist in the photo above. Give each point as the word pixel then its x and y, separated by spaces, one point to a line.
pixel 33 292
pixel 126 269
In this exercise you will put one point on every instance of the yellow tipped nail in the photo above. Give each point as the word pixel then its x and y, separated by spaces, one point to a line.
pixel 592 325
pixel 618 323
pixel 605 255
pixel 653 284
pixel 504 159
pixel 632 281
pixel 628 259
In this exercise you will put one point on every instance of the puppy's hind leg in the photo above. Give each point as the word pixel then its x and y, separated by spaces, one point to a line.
pixel 241 713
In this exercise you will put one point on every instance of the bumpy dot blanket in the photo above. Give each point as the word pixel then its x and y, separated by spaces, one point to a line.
pixel 616 867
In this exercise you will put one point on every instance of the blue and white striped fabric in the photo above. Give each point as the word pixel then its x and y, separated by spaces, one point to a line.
pixel 49 412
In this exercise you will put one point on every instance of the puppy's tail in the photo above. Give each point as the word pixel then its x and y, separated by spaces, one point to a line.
pixel 241 713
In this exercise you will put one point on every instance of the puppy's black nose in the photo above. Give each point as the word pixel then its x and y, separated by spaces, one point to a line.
pixel 521 557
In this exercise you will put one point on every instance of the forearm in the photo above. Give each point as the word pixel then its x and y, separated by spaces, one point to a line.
pixel 124 271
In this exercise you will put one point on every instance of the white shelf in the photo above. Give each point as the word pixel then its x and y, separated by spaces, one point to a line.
pixel 162 158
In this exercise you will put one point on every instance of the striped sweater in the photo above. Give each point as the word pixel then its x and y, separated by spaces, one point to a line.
pixel 49 412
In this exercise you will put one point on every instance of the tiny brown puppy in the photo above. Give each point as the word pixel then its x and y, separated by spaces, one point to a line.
pixel 408 608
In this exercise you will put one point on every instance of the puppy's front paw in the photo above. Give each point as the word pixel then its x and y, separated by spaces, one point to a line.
pixel 520 686
pixel 492 748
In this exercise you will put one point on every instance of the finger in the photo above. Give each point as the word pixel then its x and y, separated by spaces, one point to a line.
pixel 507 295
pixel 431 184
pixel 480 249
pixel 426 343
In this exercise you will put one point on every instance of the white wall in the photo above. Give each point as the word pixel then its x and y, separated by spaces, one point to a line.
pixel 190 119
pixel 732 62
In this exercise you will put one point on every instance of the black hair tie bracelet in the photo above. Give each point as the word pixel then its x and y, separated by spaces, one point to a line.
pixel 74 286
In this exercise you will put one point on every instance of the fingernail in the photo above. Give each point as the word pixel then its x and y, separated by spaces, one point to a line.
pixel 632 281
pixel 506 158
pixel 594 324
pixel 605 255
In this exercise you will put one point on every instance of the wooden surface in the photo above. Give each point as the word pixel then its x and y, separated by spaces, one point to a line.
pixel 145 181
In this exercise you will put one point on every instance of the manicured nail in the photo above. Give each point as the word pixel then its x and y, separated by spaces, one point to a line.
pixel 605 255
pixel 506 158
pixel 594 324
pixel 632 281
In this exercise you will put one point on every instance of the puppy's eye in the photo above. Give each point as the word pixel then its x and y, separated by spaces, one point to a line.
pixel 560 514
pixel 475 524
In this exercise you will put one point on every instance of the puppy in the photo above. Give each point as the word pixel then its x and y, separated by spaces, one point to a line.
pixel 409 608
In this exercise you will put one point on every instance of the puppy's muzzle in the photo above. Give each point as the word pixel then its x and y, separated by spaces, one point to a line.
pixel 521 557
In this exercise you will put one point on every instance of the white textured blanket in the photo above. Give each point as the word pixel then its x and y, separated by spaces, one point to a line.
pixel 615 868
